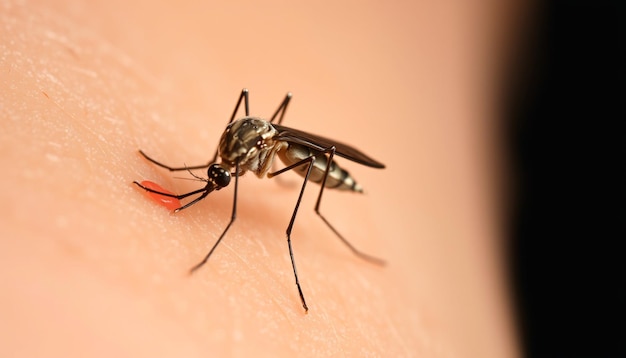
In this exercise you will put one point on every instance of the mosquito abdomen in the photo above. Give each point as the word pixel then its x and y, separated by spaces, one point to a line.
pixel 338 178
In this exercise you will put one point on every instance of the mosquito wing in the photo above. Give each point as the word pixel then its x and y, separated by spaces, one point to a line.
pixel 316 142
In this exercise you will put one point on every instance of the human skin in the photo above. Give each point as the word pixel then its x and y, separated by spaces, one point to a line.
pixel 90 266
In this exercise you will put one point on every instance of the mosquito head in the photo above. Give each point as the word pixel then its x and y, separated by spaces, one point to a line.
pixel 218 176
pixel 244 141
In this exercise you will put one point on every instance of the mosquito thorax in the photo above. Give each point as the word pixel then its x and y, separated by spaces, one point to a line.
pixel 246 141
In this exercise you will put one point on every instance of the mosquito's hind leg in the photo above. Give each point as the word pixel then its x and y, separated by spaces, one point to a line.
pixel 372 259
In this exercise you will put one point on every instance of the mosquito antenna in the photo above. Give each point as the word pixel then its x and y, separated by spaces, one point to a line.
pixel 192 179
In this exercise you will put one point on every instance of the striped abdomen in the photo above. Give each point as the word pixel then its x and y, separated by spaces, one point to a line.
pixel 337 178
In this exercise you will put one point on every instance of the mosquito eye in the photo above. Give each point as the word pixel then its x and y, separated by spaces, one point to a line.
pixel 219 175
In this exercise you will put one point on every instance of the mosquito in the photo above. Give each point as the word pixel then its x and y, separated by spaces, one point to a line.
pixel 252 144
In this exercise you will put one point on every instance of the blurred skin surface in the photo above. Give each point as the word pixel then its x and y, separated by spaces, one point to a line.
pixel 89 266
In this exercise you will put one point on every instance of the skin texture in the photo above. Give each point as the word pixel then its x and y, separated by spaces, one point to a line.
pixel 90 266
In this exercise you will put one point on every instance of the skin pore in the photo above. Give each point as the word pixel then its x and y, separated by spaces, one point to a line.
pixel 93 267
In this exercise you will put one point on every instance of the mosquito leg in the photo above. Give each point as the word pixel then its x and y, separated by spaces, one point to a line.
pixel 281 109
pixel 182 196
pixel 310 160
pixel 233 216
pixel 372 259
pixel 331 152
pixel 174 169
pixel 205 191
pixel 204 195
pixel 287 183
pixel 242 97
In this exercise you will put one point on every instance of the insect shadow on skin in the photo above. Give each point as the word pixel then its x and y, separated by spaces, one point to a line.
pixel 252 144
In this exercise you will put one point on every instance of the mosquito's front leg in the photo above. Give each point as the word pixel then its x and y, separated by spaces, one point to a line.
pixel 233 216
pixel 242 97
pixel 281 109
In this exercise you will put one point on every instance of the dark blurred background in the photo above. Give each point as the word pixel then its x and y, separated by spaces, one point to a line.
pixel 567 143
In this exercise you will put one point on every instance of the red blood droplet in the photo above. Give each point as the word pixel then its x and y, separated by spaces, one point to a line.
pixel 166 201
